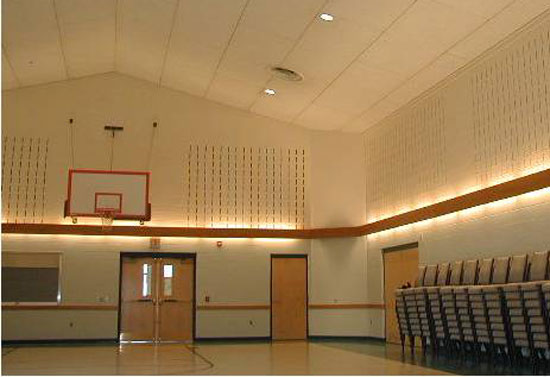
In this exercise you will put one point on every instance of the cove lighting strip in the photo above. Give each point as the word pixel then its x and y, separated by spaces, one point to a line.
pixel 519 186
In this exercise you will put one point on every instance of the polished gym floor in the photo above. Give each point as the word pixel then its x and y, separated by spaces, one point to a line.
pixel 336 356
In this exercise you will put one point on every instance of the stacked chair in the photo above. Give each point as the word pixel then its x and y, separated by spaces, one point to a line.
pixel 407 311
pixel 423 306
pixel 438 334
pixel 498 307
pixel 454 299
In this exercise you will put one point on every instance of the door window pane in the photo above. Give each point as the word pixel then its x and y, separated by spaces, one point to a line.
pixel 168 274
pixel 147 271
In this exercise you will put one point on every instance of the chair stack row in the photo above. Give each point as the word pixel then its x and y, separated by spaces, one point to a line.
pixel 499 306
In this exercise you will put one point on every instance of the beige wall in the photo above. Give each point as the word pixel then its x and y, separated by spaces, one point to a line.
pixel 238 272
pixel 489 123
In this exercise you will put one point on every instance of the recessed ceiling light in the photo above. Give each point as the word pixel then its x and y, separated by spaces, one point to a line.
pixel 270 92
pixel 326 17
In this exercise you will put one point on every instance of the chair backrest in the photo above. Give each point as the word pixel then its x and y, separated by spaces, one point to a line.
pixel 420 278
pixel 442 274
pixel 469 273
pixel 456 273
pixel 500 270
pixel 485 270
pixel 538 263
pixel 431 275
pixel 518 264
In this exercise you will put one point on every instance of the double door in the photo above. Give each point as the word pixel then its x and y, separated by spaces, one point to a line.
pixel 157 298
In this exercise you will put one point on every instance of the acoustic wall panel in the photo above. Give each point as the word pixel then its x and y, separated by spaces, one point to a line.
pixel 405 158
pixel 486 124
pixel 511 103
pixel 24 166
pixel 251 187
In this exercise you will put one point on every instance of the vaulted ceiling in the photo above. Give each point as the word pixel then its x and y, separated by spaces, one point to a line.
pixel 373 58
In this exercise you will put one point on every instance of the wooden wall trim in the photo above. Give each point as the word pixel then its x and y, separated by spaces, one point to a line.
pixel 55 306
pixel 501 191
pixel 347 306
pixel 216 306
pixel 233 306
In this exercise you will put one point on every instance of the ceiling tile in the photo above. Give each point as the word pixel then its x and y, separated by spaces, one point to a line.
pixel 427 78
pixel 234 92
pixel 359 88
pixel 323 118
pixel 143 30
pixel 427 30
pixel 31 40
pixel 376 113
pixel 483 8
pixel 266 34
pixel 495 30
pixel 88 35
pixel 281 18
pixel 374 15
pixel 193 57
pixel 9 81
pixel 291 98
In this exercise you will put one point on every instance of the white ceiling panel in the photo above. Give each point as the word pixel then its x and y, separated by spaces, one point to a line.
pixel 322 118
pixel 266 34
pixel 510 19
pixel 193 56
pixel 374 115
pixel 88 35
pixel 428 77
pixel 281 18
pixel 483 8
pixel 142 36
pixel 234 92
pixel 420 36
pixel 291 98
pixel 31 41
pixel 9 81
pixel 372 14
pixel 359 88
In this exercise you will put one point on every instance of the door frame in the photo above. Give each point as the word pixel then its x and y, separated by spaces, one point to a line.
pixel 390 249
pixel 137 254
pixel 273 256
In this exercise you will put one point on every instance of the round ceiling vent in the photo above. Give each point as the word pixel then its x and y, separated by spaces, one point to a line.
pixel 286 74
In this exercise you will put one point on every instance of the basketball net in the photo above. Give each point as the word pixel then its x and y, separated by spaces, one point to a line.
pixel 107 218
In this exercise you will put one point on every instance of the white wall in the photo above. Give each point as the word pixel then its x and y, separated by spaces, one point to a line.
pixel 239 272
pixel 489 123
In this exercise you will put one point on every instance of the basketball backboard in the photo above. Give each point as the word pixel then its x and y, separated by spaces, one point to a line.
pixel 123 195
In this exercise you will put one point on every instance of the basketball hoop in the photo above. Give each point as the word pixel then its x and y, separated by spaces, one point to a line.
pixel 107 217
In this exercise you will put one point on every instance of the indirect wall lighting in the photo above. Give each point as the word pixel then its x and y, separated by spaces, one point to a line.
pixel 270 92
pixel 326 17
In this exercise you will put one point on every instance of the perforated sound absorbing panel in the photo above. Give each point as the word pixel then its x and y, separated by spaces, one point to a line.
pixel 236 186
pixel 405 158
pixel 511 106
pixel 24 166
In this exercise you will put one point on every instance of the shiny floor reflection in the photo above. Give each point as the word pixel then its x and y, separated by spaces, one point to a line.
pixel 226 358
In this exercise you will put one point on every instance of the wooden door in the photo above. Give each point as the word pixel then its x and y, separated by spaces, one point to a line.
pixel 157 298
pixel 137 305
pixel 176 299
pixel 400 267
pixel 288 298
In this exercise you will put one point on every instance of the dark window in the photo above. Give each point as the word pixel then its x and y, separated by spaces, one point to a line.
pixel 20 284
pixel 30 277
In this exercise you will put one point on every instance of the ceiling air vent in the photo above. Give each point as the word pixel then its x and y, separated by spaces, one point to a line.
pixel 286 74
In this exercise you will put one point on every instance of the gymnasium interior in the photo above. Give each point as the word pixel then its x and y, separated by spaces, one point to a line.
pixel 275 187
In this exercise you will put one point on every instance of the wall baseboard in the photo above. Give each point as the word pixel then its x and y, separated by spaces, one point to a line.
pixel 57 341
pixel 346 337
pixel 235 338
